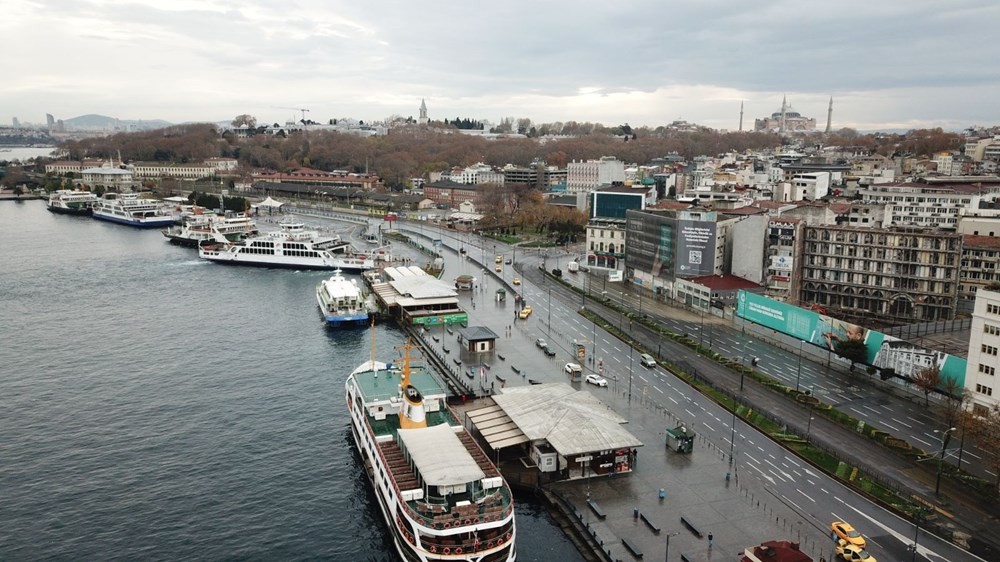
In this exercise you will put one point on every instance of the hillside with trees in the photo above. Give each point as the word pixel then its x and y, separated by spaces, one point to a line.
pixel 414 151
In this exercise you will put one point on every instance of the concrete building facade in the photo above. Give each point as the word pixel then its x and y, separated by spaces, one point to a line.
pixel 984 346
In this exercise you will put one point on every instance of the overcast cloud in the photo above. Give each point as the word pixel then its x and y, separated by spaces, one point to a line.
pixel 888 64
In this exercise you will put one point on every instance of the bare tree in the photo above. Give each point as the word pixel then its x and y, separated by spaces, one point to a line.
pixel 985 432
pixel 245 119
pixel 928 379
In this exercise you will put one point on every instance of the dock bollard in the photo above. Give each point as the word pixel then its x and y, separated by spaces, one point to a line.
pixel 635 512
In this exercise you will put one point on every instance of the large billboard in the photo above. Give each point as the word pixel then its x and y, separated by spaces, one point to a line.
pixel 668 246
pixel 695 248
pixel 883 351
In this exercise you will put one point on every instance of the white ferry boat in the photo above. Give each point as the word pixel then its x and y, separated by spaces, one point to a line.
pixel 129 209
pixel 439 493
pixel 210 227
pixel 72 202
pixel 292 247
pixel 343 302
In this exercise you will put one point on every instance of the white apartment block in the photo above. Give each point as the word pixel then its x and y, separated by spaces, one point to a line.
pixel 110 177
pixel 222 164
pixel 476 174
pixel 586 176
pixel 984 345
pixel 924 205
pixel 165 170
pixel 605 243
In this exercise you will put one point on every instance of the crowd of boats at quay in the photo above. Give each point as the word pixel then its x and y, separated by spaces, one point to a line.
pixel 233 239
pixel 441 496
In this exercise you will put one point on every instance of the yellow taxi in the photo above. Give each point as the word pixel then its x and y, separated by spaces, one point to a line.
pixel 499 259
pixel 852 553
pixel 515 281
pixel 499 267
pixel 525 312
pixel 847 533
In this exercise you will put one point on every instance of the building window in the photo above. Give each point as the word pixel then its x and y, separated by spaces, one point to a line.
pixel 989 349
pixel 991 329
pixel 986 369
pixel 993 309
pixel 983 389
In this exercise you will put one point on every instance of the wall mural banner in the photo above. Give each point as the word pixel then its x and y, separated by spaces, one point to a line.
pixel 882 351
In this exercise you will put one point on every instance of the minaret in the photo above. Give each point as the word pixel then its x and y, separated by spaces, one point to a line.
pixel 829 116
pixel 741 116
pixel 423 113
pixel 784 106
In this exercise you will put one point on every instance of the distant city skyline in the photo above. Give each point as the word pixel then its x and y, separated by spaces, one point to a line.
pixel 888 65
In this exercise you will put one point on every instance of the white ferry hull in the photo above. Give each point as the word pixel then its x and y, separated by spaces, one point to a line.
pixel 147 222
pixel 388 504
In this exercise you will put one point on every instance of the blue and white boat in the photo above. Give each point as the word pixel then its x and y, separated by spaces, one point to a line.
pixel 342 302
pixel 129 209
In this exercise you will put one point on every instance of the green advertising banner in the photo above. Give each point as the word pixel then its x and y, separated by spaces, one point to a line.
pixel 882 351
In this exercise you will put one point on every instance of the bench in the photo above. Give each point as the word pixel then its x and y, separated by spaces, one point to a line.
pixel 502 358
pixel 633 548
pixel 652 526
pixel 457 361
pixel 596 509
pixel 450 331
pixel 499 378
pixel 691 526
pixel 435 338
pixel 515 369
pixel 685 558
pixel 445 349
pixel 488 366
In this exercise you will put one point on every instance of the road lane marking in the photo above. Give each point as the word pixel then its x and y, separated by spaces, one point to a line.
pixel 902 423
pixel 804 494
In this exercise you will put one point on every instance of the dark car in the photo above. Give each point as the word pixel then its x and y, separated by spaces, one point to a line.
pixel 549 351
pixel 557 272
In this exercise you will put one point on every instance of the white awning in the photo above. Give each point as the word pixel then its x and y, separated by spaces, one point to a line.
pixel 439 456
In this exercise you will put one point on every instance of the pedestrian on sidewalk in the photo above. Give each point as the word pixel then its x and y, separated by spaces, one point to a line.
pixel 710 540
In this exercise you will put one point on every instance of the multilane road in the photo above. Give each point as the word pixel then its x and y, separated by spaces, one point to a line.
pixel 815 497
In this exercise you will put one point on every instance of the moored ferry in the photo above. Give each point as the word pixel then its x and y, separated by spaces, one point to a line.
pixel 293 247
pixel 129 209
pixel 210 227
pixel 342 302
pixel 439 493
pixel 72 202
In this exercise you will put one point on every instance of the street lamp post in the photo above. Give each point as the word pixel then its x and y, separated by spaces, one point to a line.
pixel 630 370
pixel 621 314
pixel 745 362
pixel 944 443
pixel 798 371
pixel 549 327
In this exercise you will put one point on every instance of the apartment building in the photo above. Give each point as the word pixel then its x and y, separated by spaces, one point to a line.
pixel 980 266
pixel 892 276
pixel 927 204
pixel 984 345
pixel 587 175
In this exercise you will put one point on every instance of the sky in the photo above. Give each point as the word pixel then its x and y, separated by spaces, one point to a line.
pixel 888 64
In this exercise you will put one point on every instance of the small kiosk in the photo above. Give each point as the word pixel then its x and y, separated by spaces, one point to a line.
pixel 680 439
pixel 501 295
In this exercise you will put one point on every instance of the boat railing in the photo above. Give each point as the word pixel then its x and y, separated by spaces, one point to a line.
pixel 433 517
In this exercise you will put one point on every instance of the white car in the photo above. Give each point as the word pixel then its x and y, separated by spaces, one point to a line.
pixel 573 368
pixel 599 381
pixel 646 360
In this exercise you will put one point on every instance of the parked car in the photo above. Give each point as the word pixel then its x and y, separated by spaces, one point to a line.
pixel 848 533
pixel 646 360
pixel 596 380
pixel 852 553
pixel 541 343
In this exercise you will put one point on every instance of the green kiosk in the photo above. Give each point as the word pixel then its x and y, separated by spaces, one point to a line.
pixel 680 439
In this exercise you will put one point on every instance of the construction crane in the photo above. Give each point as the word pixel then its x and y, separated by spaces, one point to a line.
pixel 298 109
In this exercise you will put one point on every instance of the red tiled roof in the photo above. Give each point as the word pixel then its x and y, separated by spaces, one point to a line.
pixel 777 551
pixel 744 211
pixel 724 282
pixel 974 241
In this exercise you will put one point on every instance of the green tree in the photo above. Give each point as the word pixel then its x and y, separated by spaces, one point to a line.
pixel 852 350
pixel 245 119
